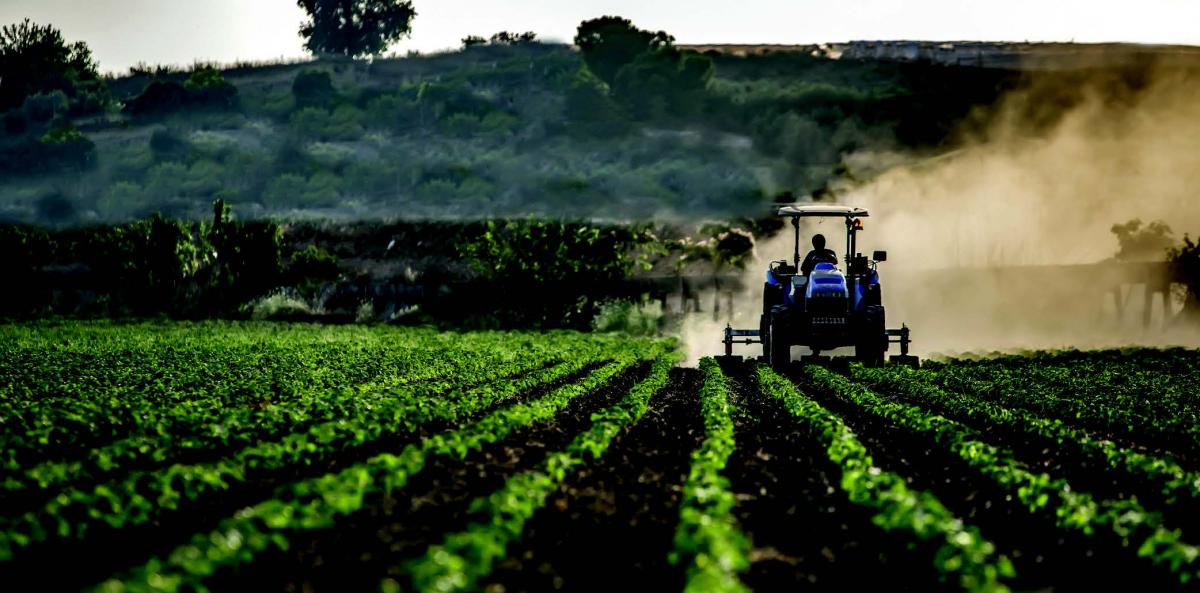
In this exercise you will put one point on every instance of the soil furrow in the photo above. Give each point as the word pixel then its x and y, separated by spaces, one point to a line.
pixel 806 534
pixel 1046 557
pixel 375 543
pixel 106 552
pixel 610 526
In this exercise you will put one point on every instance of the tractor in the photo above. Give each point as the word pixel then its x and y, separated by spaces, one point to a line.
pixel 827 308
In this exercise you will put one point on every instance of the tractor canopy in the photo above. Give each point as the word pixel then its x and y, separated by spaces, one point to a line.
pixel 832 210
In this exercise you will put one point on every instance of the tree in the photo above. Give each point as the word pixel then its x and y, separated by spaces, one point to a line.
pixel 355 28
pixel 646 73
pixel 589 108
pixel 506 38
pixel 36 59
pixel 1143 242
pixel 609 43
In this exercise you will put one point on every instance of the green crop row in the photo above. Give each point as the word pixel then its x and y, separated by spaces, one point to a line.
pixel 143 496
pixel 708 539
pixel 462 559
pixel 1119 398
pixel 1174 481
pixel 1126 519
pixel 68 400
pixel 317 503
pixel 963 554
pixel 201 430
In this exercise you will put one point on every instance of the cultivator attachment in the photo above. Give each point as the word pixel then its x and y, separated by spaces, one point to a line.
pixel 901 336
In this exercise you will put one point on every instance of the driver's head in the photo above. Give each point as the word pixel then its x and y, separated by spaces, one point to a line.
pixel 818 241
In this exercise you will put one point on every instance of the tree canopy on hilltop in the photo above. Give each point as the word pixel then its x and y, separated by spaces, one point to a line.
pixel 608 43
pixel 37 59
pixel 355 28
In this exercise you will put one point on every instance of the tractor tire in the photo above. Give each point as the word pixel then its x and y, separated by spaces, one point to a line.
pixel 780 348
pixel 764 335
pixel 872 341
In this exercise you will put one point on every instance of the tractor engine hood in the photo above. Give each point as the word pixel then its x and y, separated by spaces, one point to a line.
pixel 826 291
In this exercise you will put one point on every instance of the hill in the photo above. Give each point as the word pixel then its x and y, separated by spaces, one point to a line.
pixel 492 130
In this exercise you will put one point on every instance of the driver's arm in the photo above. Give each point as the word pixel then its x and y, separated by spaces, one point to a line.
pixel 808 264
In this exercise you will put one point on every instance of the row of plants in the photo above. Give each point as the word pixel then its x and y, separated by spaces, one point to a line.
pixel 98 398
pixel 463 559
pixel 963 554
pixel 317 503
pixel 1113 398
pixel 1127 521
pixel 1164 473
pixel 192 432
pixel 141 497
pixel 708 540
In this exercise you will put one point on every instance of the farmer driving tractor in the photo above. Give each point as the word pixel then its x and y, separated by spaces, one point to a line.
pixel 819 254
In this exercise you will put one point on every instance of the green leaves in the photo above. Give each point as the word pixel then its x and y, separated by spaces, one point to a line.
pixel 708 538
pixel 317 503
pixel 1079 511
pixel 962 552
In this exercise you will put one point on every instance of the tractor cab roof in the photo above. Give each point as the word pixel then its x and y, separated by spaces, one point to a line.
pixel 798 210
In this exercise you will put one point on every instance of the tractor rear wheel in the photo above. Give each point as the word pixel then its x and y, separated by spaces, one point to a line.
pixel 871 342
pixel 779 346
pixel 764 336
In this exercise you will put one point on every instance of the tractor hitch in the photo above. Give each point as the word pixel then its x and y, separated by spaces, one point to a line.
pixel 747 336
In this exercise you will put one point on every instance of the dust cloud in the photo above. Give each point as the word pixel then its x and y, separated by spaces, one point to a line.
pixel 985 244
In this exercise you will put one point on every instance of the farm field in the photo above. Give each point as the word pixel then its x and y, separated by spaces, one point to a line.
pixel 224 456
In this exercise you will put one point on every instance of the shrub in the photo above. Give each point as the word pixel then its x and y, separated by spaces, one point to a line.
pixel 65 146
pixel 309 123
pixel 296 191
pixel 500 123
pixel 207 87
pixel 121 200
pixel 345 123
pixel 462 124
pixel 590 109
pixel 165 180
pixel 391 112
pixel 312 264
pixel 636 319
pixel 167 144
pixel 313 88
pixel 44 107
pixel 160 96
pixel 281 304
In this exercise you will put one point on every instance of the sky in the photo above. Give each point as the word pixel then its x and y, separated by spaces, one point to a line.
pixel 122 33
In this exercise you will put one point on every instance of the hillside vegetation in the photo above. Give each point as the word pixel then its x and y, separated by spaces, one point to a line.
pixel 511 127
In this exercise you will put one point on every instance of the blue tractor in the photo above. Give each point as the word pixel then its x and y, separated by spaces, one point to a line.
pixel 829 307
